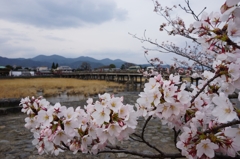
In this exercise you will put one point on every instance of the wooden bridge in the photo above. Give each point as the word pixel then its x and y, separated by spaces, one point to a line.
pixel 133 79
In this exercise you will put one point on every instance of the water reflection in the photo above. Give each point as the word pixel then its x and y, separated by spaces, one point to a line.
pixel 64 97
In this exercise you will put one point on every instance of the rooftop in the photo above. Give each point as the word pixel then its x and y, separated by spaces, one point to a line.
pixel 2 67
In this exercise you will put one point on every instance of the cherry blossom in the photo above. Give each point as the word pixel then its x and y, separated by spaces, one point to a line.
pixel 101 114
pixel 45 117
pixel 224 110
pixel 207 148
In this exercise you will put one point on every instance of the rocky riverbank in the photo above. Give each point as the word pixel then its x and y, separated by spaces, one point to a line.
pixel 15 139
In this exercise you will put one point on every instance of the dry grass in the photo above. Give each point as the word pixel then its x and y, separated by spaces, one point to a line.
pixel 19 88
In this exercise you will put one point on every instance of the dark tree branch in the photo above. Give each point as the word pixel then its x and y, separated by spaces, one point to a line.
pixel 144 126
pixel 121 150
pixel 143 139
pixel 216 129
pixel 204 86
pixel 230 42
pixel 190 11
pixel 176 133
pixel 135 139
pixel 173 50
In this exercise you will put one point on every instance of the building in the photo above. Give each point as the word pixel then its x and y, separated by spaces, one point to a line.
pixel 4 71
pixel 64 69
pixel 134 68
pixel 21 72
pixel 43 71
pixel 43 68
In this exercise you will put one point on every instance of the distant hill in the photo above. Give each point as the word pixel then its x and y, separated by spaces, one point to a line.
pixel 43 60
pixel 22 62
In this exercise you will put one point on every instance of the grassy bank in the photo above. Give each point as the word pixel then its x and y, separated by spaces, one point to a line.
pixel 19 88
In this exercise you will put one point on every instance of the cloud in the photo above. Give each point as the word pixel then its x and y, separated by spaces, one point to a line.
pixel 60 14
pixel 54 38
pixel 4 40
pixel 11 51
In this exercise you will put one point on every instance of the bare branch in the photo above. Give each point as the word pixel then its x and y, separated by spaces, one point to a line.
pixel 121 150
pixel 144 127
pixel 216 129
pixel 190 11
pixel 204 86
pixel 176 133
pixel 230 42
pixel 168 49
pixel 135 139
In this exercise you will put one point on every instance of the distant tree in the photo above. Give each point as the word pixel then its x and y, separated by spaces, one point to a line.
pixel 112 66
pixel 18 68
pixel 56 66
pixel 9 67
pixel 123 67
pixel 53 65
pixel 85 66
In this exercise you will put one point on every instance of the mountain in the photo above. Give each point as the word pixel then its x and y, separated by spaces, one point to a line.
pixel 22 62
pixel 118 63
pixel 76 62
pixel 50 59
pixel 43 60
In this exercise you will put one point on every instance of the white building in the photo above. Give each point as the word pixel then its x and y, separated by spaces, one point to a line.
pixel 21 73
pixel 43 68
pixel 64 69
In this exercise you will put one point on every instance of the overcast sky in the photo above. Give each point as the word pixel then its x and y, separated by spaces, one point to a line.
pixel 95 28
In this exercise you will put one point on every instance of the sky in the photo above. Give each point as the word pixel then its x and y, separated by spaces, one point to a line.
pixel 94 28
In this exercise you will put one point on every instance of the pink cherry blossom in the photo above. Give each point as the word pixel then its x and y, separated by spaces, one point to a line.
pixel 115 104
pixel 114 129
pixel 101 114
pixel 207 148
pixel 45 117
pixel 224 109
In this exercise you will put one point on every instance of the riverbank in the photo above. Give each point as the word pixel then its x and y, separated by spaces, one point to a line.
pixel 11 105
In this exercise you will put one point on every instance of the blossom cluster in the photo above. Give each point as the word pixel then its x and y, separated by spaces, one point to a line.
pixel 164 99
pixel 86 130
pixel 205 116
pixel 197 120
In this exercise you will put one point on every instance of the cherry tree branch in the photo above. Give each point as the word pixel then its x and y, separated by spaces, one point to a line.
pixel 135 139
pixel 144 127
pixel 176 133
pixel 170 21
pixel 118 149
pixel 190 11
pixel 169 49
pixel 204 86
pixel 143 138
pixel 230 42
pixel 216 129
